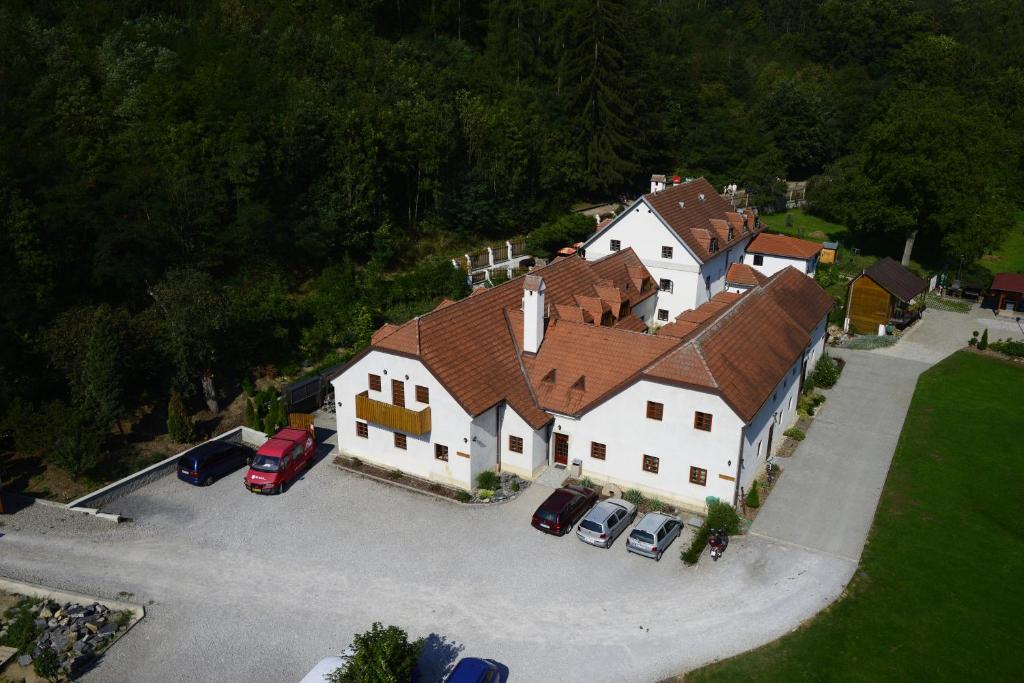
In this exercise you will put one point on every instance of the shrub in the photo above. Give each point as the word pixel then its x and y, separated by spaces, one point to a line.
pixel 753 499
pixel 464 496
pixel 47 664
pixel 826 372
pixel 381 654
pixel 395 474
pixel 720 516
pixel 77 443
pixel 179 424
pixel 356 462
pixel 983 344
pixel 247 386
pixel 514 486
pixel 795 434
pixel 655 505
pixel 634 496
pixel 251 419
pixel 1009 347
pixel 488 479
pixel 809 385
pixel 485 494
pixel 122 618
pixel 21 629
pixel 588 482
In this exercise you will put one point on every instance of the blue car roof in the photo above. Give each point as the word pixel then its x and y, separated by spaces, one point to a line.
pixel 207 449
pixel 470 670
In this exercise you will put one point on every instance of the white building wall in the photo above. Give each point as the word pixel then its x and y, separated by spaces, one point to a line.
pixel 780 410
pixel 534 457
pixel 483 442
pixel 450 424
pixel 712 274
pixel 639 228
pixel 622 425
pixel 816 348
pixel 773 264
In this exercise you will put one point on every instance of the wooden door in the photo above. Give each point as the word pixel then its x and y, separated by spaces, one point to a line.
pixel 771 433
pixel 561 449
pixel 398 393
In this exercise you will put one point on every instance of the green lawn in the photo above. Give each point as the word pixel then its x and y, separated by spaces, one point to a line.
pixel 805 225
pixel 1010 257
pixel 938 594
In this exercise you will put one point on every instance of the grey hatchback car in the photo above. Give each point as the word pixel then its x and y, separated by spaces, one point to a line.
pixel 654 534
pixel 606 521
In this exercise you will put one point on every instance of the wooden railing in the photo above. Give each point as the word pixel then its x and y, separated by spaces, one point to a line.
pixel 391 416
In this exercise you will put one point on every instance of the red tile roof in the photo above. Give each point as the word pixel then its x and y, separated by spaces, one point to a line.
pixel 737 346
pixel 469 347
pixel 783 245
pixel 1008 282
pixel 696 213
pixel 742 274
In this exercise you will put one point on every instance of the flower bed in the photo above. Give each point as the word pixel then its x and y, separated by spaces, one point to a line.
pixel 510 484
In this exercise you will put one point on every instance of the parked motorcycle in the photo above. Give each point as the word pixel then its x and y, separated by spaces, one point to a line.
pixel 718 541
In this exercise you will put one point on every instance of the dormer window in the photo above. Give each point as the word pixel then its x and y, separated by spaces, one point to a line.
pixel 713 247
pixel 732 233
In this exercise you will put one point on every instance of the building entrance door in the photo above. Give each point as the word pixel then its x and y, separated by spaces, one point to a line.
pixel 561 449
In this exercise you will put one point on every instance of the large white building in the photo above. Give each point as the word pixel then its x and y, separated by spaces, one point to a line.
pixel 557 366
pixel 686 236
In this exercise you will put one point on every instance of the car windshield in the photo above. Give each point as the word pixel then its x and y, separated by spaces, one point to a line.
pixel 642 536
pixel 547 515
pixel 591 526
pixel 266 463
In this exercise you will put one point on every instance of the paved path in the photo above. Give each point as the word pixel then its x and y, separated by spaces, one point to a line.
pixel 829 489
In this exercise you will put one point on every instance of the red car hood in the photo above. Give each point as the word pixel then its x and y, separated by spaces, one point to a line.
pixel 257 477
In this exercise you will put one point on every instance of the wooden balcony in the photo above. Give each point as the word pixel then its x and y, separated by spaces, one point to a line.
pixel 391 416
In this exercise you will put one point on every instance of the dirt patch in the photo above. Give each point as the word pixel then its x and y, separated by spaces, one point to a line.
pixel 386 476
pixel 818 235
pixel 764 489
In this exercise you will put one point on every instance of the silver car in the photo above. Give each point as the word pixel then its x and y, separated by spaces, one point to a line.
pixel 605 522
pixel 654 534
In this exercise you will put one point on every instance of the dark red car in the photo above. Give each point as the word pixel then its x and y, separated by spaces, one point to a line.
pixel 563 509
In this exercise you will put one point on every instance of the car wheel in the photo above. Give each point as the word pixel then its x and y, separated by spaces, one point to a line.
pixel 658 556
pixel 208 481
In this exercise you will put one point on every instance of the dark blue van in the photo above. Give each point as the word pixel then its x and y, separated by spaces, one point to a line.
pixel 212 460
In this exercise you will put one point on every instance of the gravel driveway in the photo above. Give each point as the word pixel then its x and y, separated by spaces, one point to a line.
pixel 245 588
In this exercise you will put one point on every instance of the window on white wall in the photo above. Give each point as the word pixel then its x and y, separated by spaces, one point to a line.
pixel 663 314
pixel 614 245
pixel 758 260
pixel 666 252
pixel 665 285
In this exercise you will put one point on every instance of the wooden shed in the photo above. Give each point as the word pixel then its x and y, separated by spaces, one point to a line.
pixel 883 294
pixel 1007 292
pixel 829 250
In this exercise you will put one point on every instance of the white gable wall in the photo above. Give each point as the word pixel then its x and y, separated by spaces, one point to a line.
pixel 621 424
pixel 713 271
pixel 534 457
pixel 780 410
pixel 450 424
pixel 640 228
pixel 773 264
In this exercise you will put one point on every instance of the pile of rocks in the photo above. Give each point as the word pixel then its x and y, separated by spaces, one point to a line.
pixel 511 486
pixel 76 633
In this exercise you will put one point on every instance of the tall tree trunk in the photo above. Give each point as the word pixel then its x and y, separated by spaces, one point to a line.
pixel 908 247
pixel 208 392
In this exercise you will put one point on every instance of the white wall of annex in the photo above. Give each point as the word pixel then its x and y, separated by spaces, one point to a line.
pixel 535 446
pixel 450 424
pixel 780 409
pixel 621 424
pixel 773 264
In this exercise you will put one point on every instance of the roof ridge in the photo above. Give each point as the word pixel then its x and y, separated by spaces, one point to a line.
pixel 704 361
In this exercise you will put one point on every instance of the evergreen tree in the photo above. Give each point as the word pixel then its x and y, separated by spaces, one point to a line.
pixel 179 423
pixel 602 72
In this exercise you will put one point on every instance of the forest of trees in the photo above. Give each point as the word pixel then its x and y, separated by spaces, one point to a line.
pixel 189 190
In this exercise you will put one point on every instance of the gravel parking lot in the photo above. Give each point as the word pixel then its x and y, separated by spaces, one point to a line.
pixel 241 587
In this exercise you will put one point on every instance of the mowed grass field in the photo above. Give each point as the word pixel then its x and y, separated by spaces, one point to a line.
pixel 939 594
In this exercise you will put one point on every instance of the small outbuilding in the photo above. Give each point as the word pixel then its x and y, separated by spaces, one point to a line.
pixel 1007 292
pixel 884 294
pixel 829 251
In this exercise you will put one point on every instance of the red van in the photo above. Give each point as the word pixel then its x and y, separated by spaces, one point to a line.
pixel 280 460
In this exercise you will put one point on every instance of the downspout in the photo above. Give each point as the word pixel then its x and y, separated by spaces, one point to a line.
pixel 739 469
pixel 497 436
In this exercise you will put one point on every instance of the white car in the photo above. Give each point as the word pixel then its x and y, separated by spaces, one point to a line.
pixel 605 522
pixel 328 665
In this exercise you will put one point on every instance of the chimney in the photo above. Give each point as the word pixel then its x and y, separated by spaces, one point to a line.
pixel 676 180
pixel 657 183
pixel 533 313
